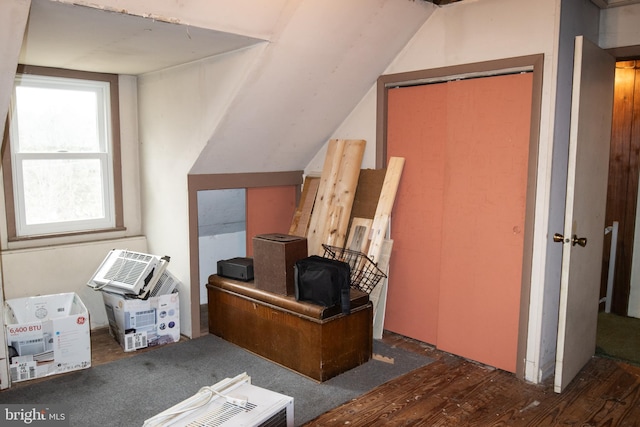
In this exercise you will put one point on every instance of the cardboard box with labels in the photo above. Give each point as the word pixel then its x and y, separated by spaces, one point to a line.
pixel 47 335
pixel 138 323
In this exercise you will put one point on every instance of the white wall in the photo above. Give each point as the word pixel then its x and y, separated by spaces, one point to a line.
pixel 12 24
pixel 45 266
pixel 462 33
pixel 476 31
pixel 60 269
pixel 222 231
pixel 472 31
pixel 216 247
pixel 319 63
pixel 360 124
pixel 179 110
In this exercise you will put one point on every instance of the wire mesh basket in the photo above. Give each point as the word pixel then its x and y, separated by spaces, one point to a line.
pixel 365 274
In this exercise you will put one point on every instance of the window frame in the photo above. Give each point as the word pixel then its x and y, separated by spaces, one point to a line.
pixel 116 185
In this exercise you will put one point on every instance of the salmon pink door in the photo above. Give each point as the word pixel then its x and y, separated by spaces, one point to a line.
pixel 459 219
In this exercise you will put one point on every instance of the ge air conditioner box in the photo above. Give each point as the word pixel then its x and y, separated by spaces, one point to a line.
pixel 137 323
pixel 232 402
pixel 46 335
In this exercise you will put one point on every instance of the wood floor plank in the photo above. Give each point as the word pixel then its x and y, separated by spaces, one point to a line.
pixel 495 403
pixel 414 395
pixel 577 396
pixel 455 392
pixel 600 395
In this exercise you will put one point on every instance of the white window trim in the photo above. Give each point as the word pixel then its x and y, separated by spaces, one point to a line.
pixel 110 161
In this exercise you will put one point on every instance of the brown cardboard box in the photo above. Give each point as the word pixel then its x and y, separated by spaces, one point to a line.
pixel 274 257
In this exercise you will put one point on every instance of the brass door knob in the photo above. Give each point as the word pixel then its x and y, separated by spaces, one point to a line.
pixel 581 241
pixel 575 240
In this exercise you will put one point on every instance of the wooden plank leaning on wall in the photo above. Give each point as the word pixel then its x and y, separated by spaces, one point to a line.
pixel 336 191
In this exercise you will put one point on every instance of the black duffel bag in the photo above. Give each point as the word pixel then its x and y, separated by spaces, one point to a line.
pixel 323 281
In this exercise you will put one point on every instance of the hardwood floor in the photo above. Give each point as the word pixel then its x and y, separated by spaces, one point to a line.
pixel 453 391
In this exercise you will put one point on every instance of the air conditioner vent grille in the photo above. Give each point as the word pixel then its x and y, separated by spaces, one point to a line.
pixel 279 419
pixel 221 415
pixel 126 270
pixel 165 285
pixel 136 256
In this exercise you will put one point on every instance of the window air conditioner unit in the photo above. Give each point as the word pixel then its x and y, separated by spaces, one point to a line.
pixel 165 285
pixel 232 402
pixel 128 273
pixel 38 346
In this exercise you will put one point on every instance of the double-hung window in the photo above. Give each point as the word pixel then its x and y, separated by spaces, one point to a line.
pixel 64 154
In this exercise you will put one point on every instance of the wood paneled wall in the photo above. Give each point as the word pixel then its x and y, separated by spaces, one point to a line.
pixel 622 189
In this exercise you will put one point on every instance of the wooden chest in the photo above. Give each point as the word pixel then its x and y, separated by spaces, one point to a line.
pixel 315 341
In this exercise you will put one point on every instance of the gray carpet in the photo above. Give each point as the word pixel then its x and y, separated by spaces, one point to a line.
pixel 128 391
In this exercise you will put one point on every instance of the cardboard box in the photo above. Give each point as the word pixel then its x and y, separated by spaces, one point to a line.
pixel 274 258
pixel 137 323
pixel 47 335
pixel 4 374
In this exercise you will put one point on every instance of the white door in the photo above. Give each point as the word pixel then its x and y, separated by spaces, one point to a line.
pixel 591 109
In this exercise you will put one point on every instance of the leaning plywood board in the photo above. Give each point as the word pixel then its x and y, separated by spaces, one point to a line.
pixel 367 193
pixel 344 193
pixel 336 191
pixel 359 234
pixel 329 175
pixel 364 208
pixel 302 215
pixel 385 204
pixel 378 296
pixel 385 254
pixel 379 301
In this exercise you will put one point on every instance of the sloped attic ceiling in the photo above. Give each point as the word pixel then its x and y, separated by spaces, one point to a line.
pixel 321 58
pixel 323 61
pixel 84 38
